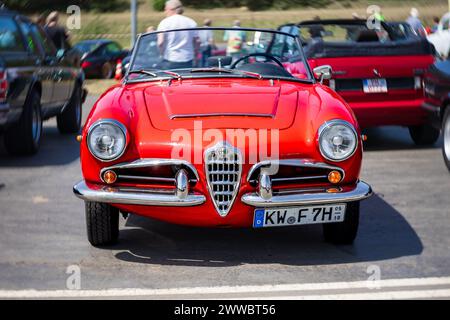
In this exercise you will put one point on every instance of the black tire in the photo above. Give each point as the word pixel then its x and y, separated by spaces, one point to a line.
pixel 69 121
pixel 102 221
pixel 424 134
pixel 107 71
pixel 446 135
pixel 24 137
pixel 344 232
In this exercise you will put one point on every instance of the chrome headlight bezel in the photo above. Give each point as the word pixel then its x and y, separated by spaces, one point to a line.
pixel 327 126
pixel 111 122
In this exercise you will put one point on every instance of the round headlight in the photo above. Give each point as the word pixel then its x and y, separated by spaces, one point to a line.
pixel 337 140
pixel 107 140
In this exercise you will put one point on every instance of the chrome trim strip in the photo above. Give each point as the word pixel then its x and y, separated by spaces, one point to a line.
pixel 235 114
pixel 360 192
pixel 293 163
pixel 158 179
pixel 134 196
pixel 149 162
pixel 299 178
pixel 430 107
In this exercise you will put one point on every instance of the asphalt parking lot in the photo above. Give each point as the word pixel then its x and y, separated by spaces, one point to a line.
pixel 404 232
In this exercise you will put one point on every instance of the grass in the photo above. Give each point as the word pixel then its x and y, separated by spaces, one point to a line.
pixel 117 25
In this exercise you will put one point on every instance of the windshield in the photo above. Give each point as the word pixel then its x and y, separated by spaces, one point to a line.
pixel 218 52
pixel 341 33
pixel 86 47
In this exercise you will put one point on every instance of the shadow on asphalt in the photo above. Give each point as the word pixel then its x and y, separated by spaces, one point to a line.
pixel 56 149
pixel 392 138
pixel 384 234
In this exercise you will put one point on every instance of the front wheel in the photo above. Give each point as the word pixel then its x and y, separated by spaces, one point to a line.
pixel 424 134
pixel 24 137
pixel 102 222
pixel 343 232
pixel 107 71
pixel 69 121
pixel 446 134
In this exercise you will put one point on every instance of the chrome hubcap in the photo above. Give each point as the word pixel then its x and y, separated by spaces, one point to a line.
pixel 447 137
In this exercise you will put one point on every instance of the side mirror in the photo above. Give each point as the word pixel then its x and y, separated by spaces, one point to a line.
pixel 60 54
pixel 323 73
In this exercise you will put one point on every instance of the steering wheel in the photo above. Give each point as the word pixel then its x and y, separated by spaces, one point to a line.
pixel 267 56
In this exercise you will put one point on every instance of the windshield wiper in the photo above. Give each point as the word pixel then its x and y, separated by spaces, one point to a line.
pixel 173 75
pixel 143 72
pixel 220 70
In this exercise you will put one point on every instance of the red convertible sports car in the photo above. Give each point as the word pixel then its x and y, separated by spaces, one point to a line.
pixel 378 72
pixel 240 143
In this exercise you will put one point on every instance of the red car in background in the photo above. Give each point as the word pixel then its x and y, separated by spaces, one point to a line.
pixel 249 145
pixel 379 74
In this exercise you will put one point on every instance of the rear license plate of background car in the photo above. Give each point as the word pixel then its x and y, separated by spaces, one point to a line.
pixel 375 86
pixel 292 216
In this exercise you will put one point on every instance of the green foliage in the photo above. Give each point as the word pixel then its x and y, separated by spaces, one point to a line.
pixel 42 6
pixel 253 5
pixel 256 5
pixel 158 5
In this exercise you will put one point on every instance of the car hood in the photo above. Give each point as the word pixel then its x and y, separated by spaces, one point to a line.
pixel 221 103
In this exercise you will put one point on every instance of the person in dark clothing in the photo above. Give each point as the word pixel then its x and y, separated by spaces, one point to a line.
pixel 57 33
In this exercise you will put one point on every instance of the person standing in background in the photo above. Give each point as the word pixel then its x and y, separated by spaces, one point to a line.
pixel 415 23
pixel 236 40
pixel 435 26
pixel 177 48
pixel 57 33
pixel 206 38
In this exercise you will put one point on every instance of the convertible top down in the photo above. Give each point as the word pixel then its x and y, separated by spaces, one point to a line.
pixel 239 143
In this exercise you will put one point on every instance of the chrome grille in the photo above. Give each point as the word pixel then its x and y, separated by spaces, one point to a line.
pixel 223 167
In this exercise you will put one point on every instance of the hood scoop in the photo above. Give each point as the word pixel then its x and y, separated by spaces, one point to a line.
pixel 219 104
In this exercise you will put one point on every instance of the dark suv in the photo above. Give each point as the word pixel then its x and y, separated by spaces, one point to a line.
pixel 36 82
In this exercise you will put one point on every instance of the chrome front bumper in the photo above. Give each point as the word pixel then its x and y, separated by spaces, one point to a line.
pixel 134 196
pixel 360 192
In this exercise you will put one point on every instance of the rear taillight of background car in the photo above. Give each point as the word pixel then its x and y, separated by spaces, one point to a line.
pixel 86 64
pixel 3 86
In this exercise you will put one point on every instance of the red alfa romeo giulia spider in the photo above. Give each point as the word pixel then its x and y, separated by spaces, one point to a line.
pixel 229 141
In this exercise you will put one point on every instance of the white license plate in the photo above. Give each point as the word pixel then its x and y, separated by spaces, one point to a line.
pixel 375 85
pixel 292 216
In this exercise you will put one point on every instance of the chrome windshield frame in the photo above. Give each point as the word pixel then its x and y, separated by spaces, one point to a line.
pixel 311 79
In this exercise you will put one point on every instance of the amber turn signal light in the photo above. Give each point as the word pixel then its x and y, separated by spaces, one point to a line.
pixel 334 177
pixel 79 138
pixel 364 137
pixel 110 177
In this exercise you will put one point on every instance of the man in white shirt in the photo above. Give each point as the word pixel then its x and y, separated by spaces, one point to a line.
pixel 177 48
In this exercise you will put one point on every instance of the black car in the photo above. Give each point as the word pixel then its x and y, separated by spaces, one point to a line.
pixel 100 57
pixel 402 31
pixel 437 101
pixel 36 82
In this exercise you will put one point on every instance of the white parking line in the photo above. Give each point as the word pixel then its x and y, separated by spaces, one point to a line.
pixel 386 295
pixel 414 283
